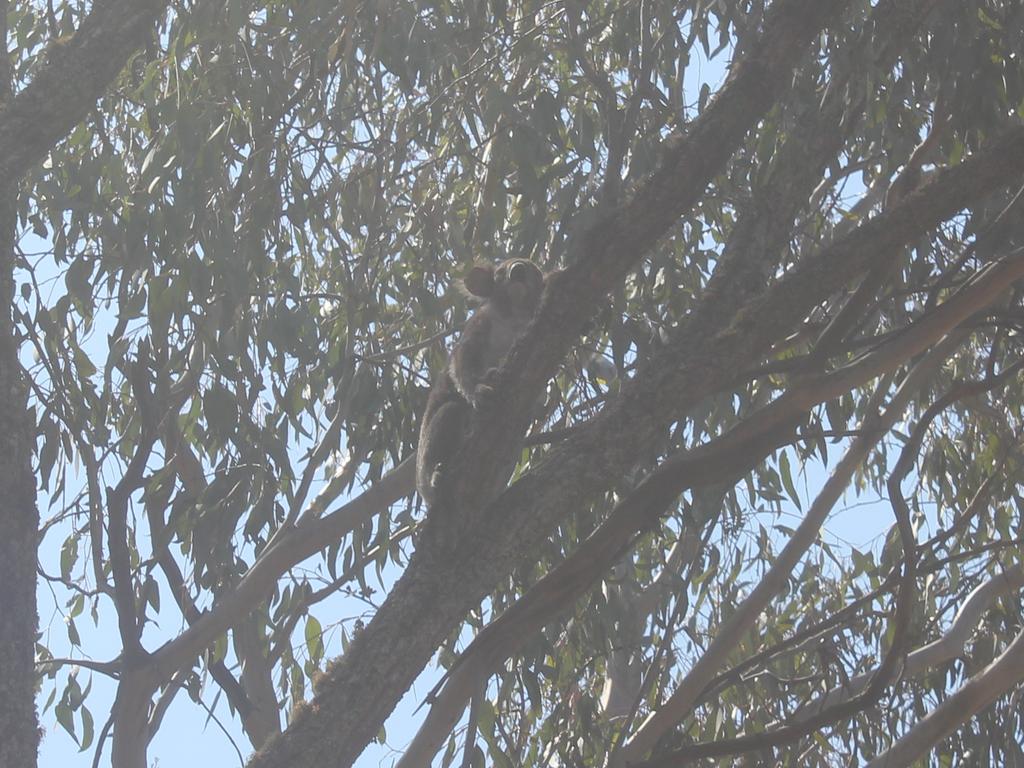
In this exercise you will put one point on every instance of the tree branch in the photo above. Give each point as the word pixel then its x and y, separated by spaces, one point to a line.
pixel 302 542
pixel 997 679
pixel 431 597
pixel 730 454
pixel 946 648
pixel 883 676
pixel 76 73
pixel 356 695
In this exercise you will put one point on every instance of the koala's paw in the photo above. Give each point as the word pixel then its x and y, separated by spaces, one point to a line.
pixel 483 395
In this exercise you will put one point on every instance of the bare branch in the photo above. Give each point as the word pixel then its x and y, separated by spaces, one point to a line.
pixel 887 670
pixel 303 541
pixel 996 680
pixel 732 630
pixel 109 668
pixel 946 648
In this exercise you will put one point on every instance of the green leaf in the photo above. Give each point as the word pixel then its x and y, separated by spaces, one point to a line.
pixel 87 729
pixel 787 478
pixel 77 281
pixel 314 638
pixel 68 556
pixel 66 718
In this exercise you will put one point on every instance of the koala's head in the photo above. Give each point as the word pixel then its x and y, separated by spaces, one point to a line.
pixel 513 286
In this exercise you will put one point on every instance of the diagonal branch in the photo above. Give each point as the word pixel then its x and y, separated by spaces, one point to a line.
pixel 357 695
pixel 77 72
pixel 946 648
pixel 996 680
pixel 732 453
pixel 303 541
pixel 852 609
pixel 764 230
pixel 611 248
pixel 432 596
pixel 738 623
pixel 892 662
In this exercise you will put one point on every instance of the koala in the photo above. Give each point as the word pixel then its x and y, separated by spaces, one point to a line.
pixel 508 295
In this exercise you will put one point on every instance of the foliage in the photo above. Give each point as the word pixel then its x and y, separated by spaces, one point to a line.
pixel 238 274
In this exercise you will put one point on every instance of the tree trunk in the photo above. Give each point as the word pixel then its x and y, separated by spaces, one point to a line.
pixel 19 526
pixel 19 519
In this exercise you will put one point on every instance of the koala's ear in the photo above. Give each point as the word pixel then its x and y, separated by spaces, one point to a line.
pixel 479 281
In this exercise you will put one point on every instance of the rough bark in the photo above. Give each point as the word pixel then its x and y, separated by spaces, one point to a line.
pixel 76 73
pixel 19 523
pixel 516 524
pixel 439 587
pixel 19 518
pixel 735 453
pixel 441 584
pixel 357 694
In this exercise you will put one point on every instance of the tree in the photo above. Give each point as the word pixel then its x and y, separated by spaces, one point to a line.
pixel 66 79
pixel 239 277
